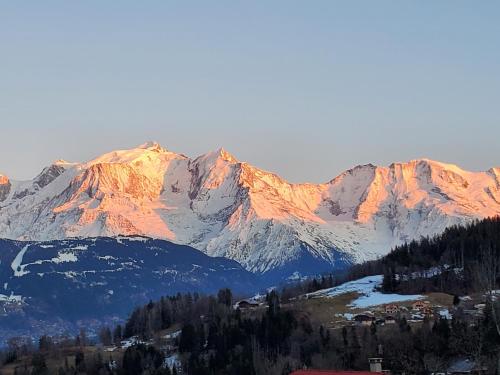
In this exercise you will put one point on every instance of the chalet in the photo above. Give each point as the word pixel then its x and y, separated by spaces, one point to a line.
pixel 365 319
pixel 245 304
pixel 419 305
pixel 391 309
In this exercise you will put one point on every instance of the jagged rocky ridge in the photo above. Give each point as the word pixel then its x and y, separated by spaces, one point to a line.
pixel 229 208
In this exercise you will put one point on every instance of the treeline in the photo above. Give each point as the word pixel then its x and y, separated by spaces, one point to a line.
pixel 145 321
pixel 462 260
pixel 289 291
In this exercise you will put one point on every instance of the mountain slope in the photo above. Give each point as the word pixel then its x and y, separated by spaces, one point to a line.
pixel 66 281
pixel 228 208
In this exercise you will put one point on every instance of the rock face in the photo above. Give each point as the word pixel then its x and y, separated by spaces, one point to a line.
pixel 228 208
pixel 4 187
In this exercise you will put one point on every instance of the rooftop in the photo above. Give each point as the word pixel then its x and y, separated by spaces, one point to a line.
pixel 332 372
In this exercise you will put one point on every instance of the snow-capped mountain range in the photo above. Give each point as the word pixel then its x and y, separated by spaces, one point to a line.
pixel 229 208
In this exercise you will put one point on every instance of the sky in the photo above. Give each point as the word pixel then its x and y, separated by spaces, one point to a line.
pixel 303 89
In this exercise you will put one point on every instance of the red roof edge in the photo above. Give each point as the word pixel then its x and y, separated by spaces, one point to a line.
pixel 332 372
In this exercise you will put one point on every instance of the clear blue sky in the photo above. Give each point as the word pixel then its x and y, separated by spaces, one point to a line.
pixel 302 88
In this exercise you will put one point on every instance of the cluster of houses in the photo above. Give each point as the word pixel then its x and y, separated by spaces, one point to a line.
pixel 418 311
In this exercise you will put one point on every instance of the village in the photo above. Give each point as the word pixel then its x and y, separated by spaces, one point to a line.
pixel 417 311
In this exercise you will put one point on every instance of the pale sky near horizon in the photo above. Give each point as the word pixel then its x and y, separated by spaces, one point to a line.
pixel 303 89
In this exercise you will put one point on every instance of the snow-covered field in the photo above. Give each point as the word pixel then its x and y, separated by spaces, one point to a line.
pixel 367 288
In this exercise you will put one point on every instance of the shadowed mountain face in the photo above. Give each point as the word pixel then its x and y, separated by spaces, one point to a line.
pixel 62 282
pixel 228 208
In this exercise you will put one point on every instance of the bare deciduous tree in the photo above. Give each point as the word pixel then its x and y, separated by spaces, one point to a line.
pixel 487 273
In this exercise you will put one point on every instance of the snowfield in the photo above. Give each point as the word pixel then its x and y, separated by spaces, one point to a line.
pixel 16 263
pixel 366 287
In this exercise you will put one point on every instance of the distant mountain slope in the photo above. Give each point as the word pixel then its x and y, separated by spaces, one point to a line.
pixel 76 279
pixel 229 208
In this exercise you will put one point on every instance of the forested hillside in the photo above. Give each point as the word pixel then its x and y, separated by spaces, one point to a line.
pixel 214 338
pixel 464 259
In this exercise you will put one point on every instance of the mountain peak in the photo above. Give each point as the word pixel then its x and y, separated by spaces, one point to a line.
pixel 152 146
pixel 147 152
pixel 427 163
pixel 219 154
pixel 226 155
pixel 435 163
pixel 4 180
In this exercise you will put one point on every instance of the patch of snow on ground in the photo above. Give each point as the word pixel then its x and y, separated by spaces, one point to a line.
pixel 16 263
pixel 445 313
pixel 346 316
pixel 64 257
pixel 172 361
pixel 362 286
pixel 80 247
pixel 120 239
pixel 173 335
pixel 296 276
pixel 367 288
pixel 134 340
pixel 376 298
pixel 107 257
